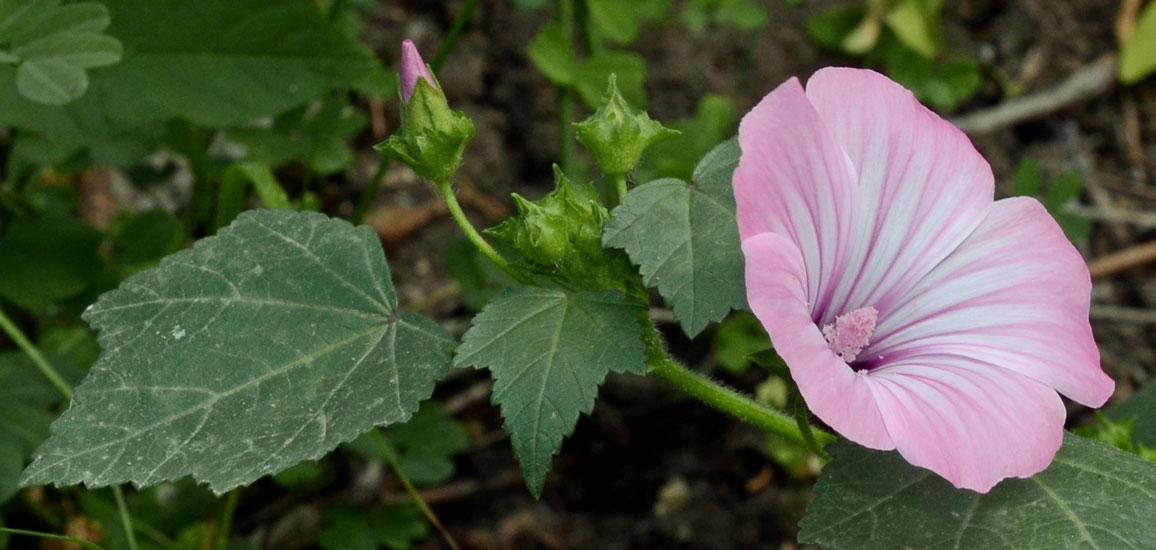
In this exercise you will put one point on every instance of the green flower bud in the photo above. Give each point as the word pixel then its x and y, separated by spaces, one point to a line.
pixel 561 236
pixel 616 134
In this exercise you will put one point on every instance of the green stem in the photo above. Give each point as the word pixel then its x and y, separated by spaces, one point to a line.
pixel 193 142
pixel 51 536
pixel 586 29
pixel 226 522
pixel 125 517
pixel 620 186
pixel 723 398
pixel 475 237
pixel 30 350
pixel 566 104
pixel 370 193
pixel 395 465
pixel 451 38
pixel 567 148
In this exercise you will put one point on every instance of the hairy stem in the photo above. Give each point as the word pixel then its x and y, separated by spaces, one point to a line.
pixel 475 237
pixel 451 38
pixel 125 517
pixel 620 187
pixel 725 399
pixel 30 350
pixel 391 458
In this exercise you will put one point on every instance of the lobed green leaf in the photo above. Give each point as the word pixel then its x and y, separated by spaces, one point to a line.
pixel 685 239
pixel 548 351
pixel 261 347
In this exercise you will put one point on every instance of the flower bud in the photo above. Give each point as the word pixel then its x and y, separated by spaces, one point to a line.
pixel 412 68
pixel 616 135
pixel 432 137
pixel 561 235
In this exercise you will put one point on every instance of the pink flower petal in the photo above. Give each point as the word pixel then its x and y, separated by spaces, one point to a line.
pixel 921 185
pixel 1015 294
pixel 970 422
pixel 794 180
pixel 834 392
pixel 412 68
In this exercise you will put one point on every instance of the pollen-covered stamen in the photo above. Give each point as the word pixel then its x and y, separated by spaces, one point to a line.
pixel 850 332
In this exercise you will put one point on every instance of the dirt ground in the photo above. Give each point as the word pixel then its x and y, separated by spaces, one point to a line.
pixel 649 470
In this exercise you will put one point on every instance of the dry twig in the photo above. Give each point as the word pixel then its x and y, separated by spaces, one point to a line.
pixel 1123 260
pixel 1086 83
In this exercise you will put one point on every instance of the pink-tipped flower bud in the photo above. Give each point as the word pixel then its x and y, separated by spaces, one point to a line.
pixel 432 137
pixel 412 68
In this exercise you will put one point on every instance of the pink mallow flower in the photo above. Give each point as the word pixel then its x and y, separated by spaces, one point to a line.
pixel 913 311
pixel 412 68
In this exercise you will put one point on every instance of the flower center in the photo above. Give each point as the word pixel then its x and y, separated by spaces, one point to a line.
pixel 849 334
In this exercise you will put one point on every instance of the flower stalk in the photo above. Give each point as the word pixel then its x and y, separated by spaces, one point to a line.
pixel 484 247
pixel 729 401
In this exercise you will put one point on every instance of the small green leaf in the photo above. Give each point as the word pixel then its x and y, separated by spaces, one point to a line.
pixel 395 527
pixel 258 348
pixel 51 81
pixel 916 25
pixel 553 55
pixel 736 339
pixel 1027 178
pixel 84 50
pixel 1092 496
pixel 942 85
pixel 56 44
pixel 830 28
pixel 1067 186
pixel 630 73
pixel 1117 433
pixel 715 119
pixel 615 19
pixel 745 15
pixel 548 351
pixel 317 134
pixel 1138 55
pixel 686 240
pixel 142 239
pixel 79 17
pixel 46 259
pixel 425 445
pixel 1140 406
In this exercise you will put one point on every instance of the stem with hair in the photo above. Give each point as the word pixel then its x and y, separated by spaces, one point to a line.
pixel 727 400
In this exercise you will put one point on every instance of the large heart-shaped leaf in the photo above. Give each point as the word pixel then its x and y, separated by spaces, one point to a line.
pixel 685 239
pixel 261 347
pixel 1092 496
pixel 548 351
